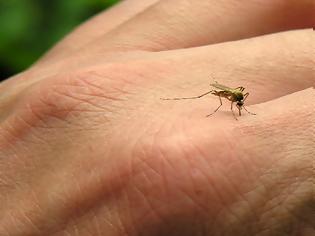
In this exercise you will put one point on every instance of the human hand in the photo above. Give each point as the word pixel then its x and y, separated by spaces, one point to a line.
pixel 88 148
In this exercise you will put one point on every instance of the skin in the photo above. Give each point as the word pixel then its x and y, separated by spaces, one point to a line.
pixel 87 147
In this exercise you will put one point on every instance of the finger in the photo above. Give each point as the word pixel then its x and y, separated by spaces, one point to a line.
pixel 268 67
pixel 298 106
pixel 182 23
pixel 280 140
pixel 98 26
pixel 276 126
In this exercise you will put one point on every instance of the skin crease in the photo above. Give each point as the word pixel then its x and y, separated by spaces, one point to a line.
pixel 88 148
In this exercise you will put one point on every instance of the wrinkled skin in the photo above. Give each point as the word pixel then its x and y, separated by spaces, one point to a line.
pixel 88 148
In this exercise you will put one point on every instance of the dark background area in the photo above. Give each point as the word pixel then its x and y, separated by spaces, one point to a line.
pixel 28 28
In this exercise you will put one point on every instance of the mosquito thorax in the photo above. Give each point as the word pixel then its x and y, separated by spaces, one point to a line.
pixel 238 96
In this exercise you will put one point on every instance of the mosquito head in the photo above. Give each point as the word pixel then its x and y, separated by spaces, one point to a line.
pixel 239 104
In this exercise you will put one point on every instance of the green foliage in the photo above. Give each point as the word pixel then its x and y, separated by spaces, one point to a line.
pixel 28 28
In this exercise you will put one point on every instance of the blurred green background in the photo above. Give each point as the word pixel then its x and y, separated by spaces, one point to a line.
pixel 28 28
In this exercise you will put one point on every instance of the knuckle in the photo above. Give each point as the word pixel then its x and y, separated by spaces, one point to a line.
pixel 75 95
pixel 85 99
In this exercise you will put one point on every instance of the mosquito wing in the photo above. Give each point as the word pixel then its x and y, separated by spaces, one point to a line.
pixel 221 87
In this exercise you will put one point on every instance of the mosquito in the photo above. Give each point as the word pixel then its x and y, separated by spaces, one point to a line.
pixel 235 95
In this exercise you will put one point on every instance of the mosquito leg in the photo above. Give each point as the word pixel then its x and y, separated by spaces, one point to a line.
pixel 204 94
pixel 217 107
pixel 245 96
pixel 233 111
pixel 240 88
pixel 248 111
